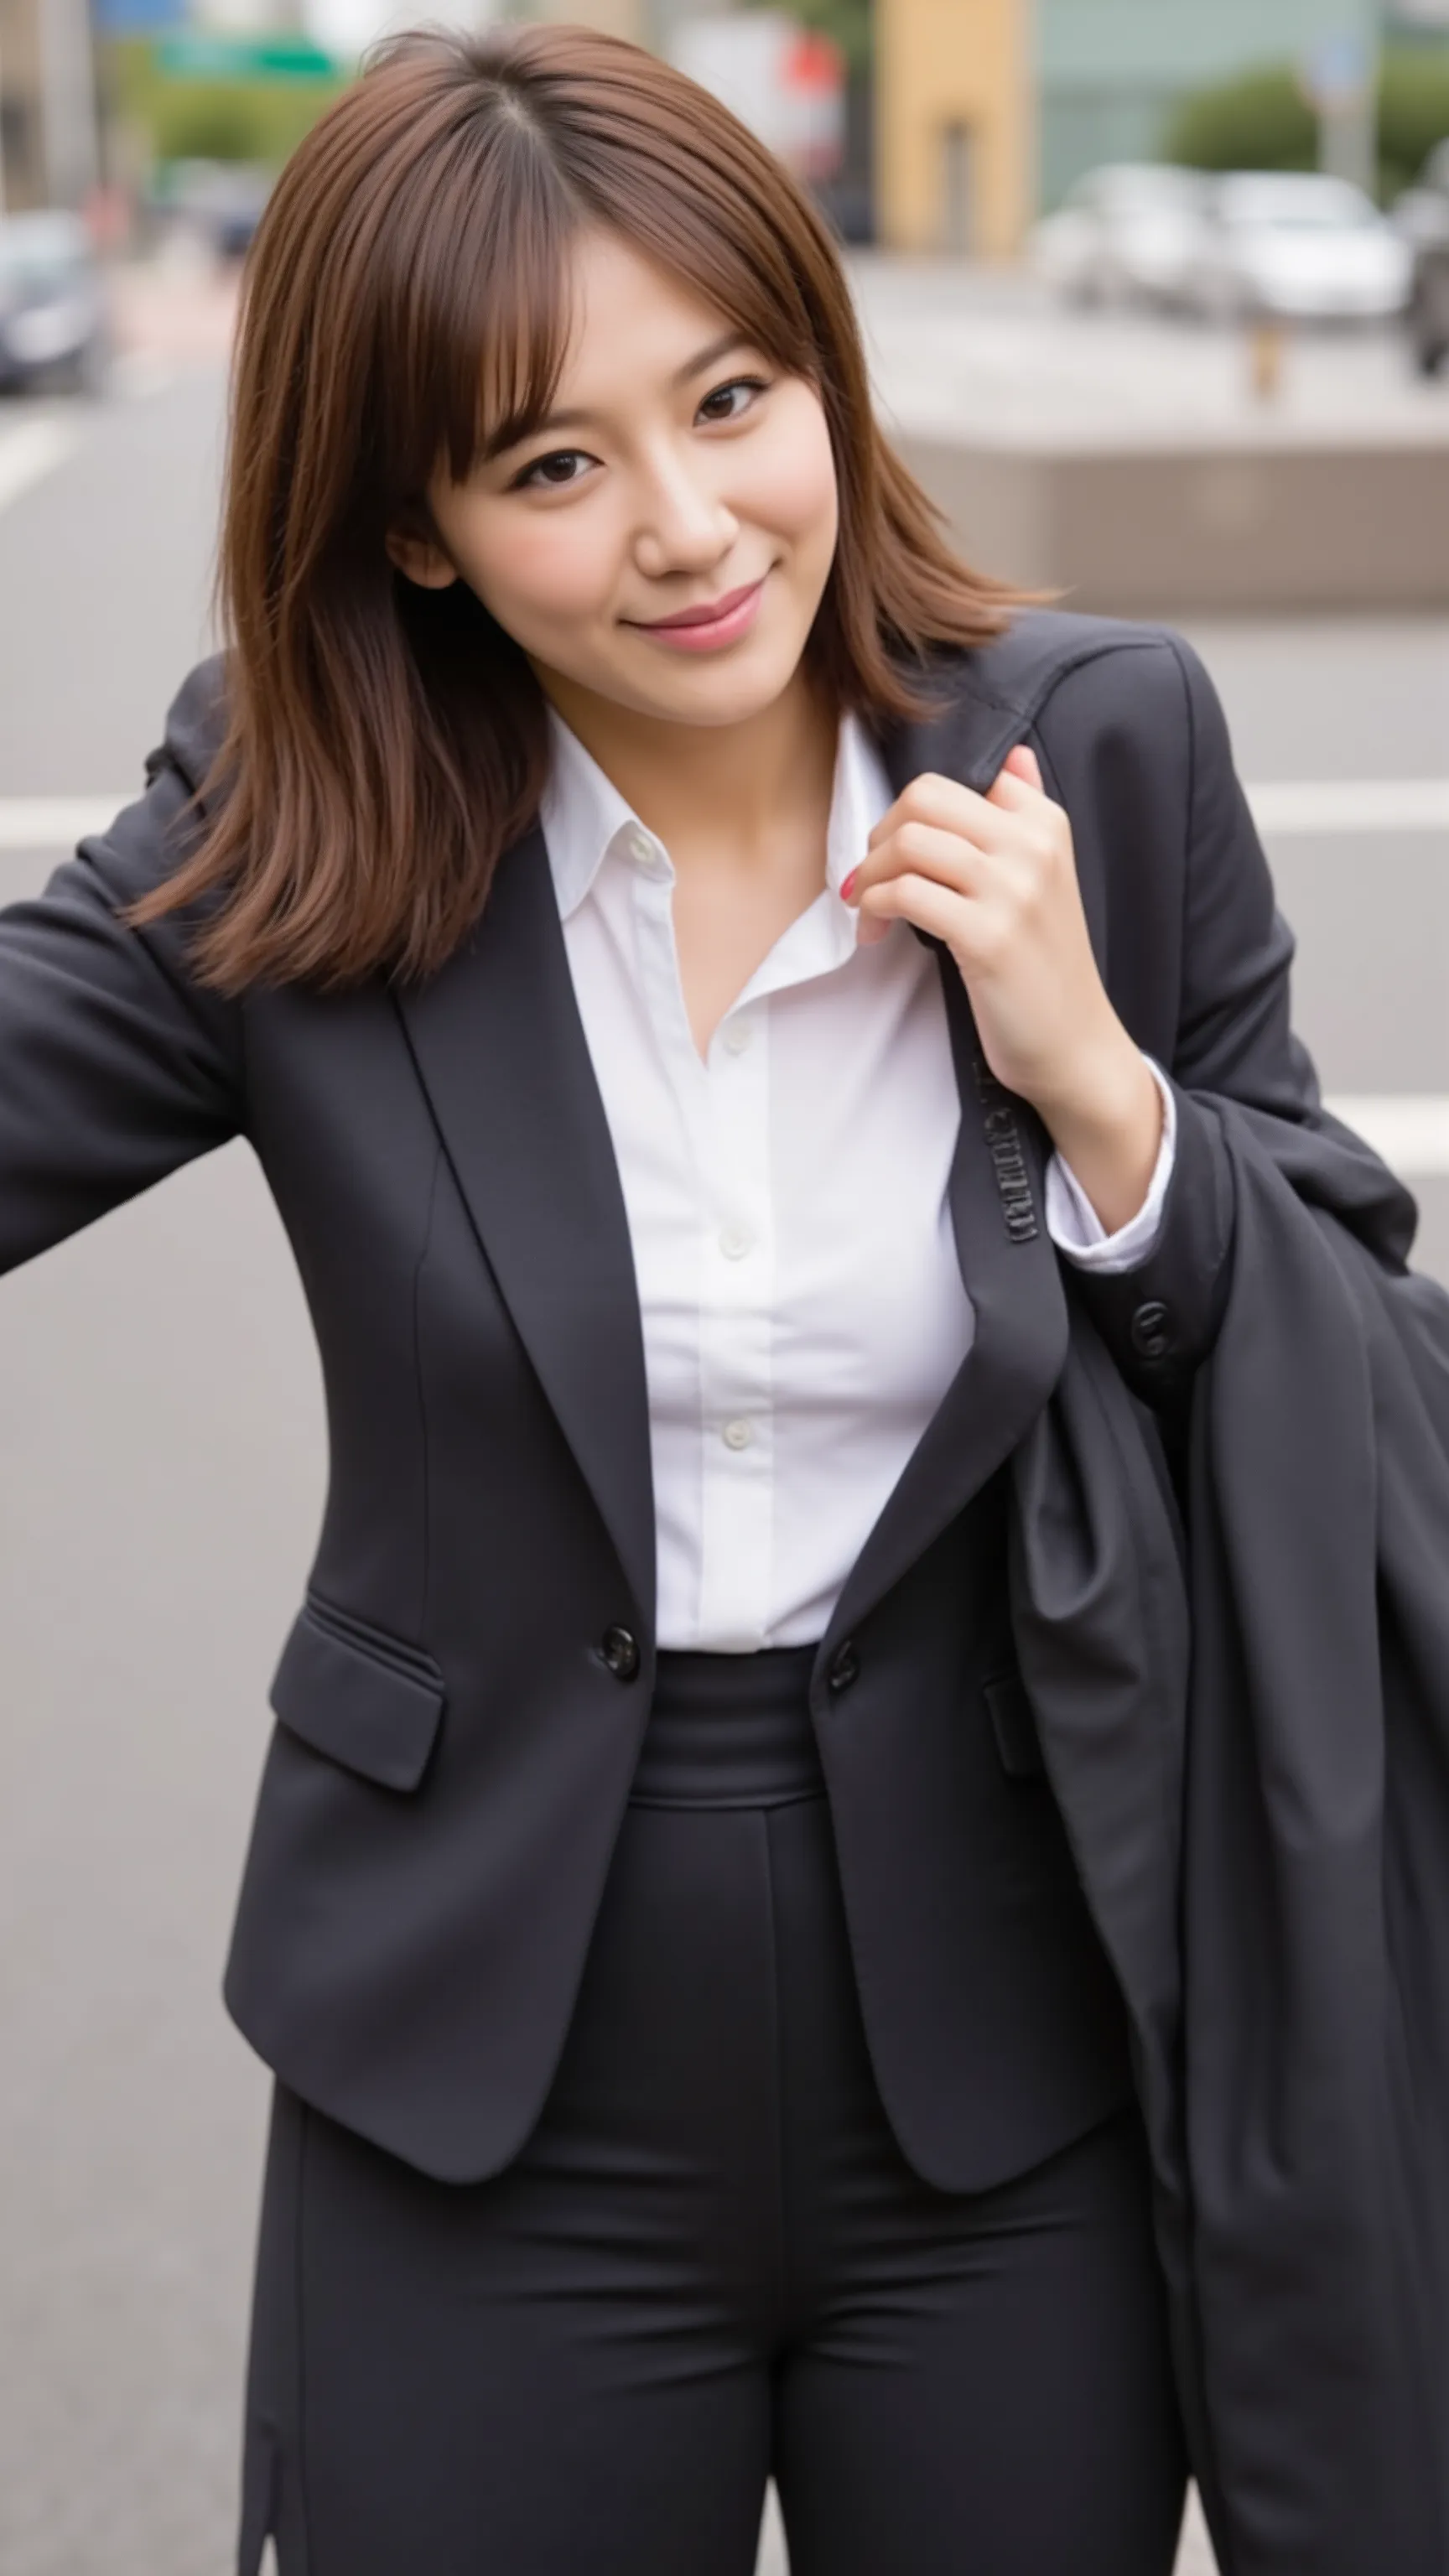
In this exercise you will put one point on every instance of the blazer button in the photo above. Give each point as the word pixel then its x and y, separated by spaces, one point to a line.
pixel 846 1667
pixel 621 1653
pixel 1151 1329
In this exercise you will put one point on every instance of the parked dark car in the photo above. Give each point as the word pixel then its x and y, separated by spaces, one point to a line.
pixel 1424 218
pixel 52 304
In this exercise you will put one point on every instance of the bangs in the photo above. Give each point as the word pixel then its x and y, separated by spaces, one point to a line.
pixel 487 294
pixel 513 322
pixel 483 312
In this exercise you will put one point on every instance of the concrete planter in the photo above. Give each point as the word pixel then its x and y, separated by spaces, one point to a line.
pixel 1228 526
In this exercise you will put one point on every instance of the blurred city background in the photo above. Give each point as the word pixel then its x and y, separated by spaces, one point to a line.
pixel 1156 300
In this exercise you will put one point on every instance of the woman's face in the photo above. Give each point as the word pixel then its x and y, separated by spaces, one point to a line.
pixel 688 467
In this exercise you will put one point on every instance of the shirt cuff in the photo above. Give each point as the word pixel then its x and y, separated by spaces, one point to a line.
pixel 1073 1223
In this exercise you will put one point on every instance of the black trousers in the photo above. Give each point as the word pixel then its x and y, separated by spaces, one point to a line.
pixel 710 2264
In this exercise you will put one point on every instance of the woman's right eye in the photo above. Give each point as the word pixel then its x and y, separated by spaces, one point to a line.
pixel 558 456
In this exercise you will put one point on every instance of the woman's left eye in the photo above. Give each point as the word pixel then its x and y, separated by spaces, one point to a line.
pixel 737 384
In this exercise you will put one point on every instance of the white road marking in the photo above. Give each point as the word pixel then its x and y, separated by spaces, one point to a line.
pixel 1282 808
pixel 1314 806
pixel 31 450
pixel 1409 1129
pixel 57 822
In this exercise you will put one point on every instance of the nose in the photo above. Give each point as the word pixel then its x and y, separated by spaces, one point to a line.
pixel 683 525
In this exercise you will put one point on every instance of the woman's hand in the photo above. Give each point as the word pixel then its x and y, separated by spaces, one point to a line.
pixel 995 878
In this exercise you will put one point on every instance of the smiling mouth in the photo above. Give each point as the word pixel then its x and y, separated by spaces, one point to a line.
pixel 712 613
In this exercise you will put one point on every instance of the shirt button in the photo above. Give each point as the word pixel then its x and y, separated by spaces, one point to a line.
pixel 737 1036
pixel 737 1435
pixel 649 860
pixel 734 1243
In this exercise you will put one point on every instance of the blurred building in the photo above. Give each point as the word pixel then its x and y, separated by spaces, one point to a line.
pixel 48 145
pixel 987 110
pixel 955 145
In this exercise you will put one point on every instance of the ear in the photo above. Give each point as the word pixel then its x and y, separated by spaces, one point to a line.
pixel 420 560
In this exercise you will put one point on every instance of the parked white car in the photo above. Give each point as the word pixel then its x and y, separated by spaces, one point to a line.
pixel 1300 246
pixel 1125 233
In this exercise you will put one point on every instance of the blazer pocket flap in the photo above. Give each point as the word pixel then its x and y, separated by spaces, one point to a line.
pixel 374 1709
pixel 1014 1724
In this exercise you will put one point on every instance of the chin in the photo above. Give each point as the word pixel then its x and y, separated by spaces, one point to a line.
pixel 727 703
pixel 727 691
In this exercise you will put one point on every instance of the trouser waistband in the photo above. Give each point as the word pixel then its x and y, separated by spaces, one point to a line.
pixel 730 1731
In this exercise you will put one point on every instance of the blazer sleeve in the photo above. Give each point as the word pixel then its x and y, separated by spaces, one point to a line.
pixel 1233 1040
pixel 115 1065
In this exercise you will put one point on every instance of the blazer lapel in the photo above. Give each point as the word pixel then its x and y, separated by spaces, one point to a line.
pixel 500 1047
pixel 997 1200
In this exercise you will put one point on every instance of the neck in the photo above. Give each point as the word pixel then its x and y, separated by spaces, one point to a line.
pixel 714 790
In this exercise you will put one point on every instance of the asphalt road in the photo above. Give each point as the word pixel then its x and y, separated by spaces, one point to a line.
pixel 161 1438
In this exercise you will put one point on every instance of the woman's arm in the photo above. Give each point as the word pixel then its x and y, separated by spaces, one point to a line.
pixel 115 1066
pixel 1121 802
pixel 1233 1038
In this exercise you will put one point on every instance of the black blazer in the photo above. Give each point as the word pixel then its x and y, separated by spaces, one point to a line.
pixel 461 1700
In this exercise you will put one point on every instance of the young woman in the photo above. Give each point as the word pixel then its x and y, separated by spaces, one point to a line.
pixel 619 877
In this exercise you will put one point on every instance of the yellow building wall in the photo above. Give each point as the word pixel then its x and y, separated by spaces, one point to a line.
pixel 954 131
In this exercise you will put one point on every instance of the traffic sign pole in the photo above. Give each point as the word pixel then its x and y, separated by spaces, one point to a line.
pixel 1341 80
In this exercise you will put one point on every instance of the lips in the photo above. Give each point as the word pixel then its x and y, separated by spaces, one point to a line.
pixel 709 615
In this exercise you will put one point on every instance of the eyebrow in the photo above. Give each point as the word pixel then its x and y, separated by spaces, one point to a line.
pixel 579 419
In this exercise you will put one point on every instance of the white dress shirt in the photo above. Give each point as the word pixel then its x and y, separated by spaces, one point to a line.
pixel 802 1303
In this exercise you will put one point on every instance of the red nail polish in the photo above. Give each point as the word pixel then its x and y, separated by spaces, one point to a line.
pixel 846 885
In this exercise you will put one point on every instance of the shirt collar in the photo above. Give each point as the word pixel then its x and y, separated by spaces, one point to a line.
pixel 586 820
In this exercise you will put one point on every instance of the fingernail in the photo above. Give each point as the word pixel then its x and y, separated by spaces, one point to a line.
pixel 846 885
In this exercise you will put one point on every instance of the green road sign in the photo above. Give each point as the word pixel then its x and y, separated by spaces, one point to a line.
pixel 195 55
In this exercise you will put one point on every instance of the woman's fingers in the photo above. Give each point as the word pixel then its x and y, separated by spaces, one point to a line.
pixel 942 805
pixel 941 850
pixel 928 850
pixel 1023 765
pixel 932 851
pixel 933 907
pixel 993 820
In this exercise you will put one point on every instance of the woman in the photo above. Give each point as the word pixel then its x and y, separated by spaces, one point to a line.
pixel 619 877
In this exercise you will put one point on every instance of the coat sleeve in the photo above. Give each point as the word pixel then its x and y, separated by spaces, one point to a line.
pixel 115 1065
pixel 1233 1041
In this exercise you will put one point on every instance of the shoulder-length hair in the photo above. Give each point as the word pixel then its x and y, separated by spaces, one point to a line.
pixel 406 300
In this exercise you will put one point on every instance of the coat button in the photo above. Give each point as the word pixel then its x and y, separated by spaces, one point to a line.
pixel 1151 1329
pixel 846 1667
pixel 621 1653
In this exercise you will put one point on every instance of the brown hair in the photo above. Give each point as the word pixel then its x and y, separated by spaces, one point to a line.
pixel 406 298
